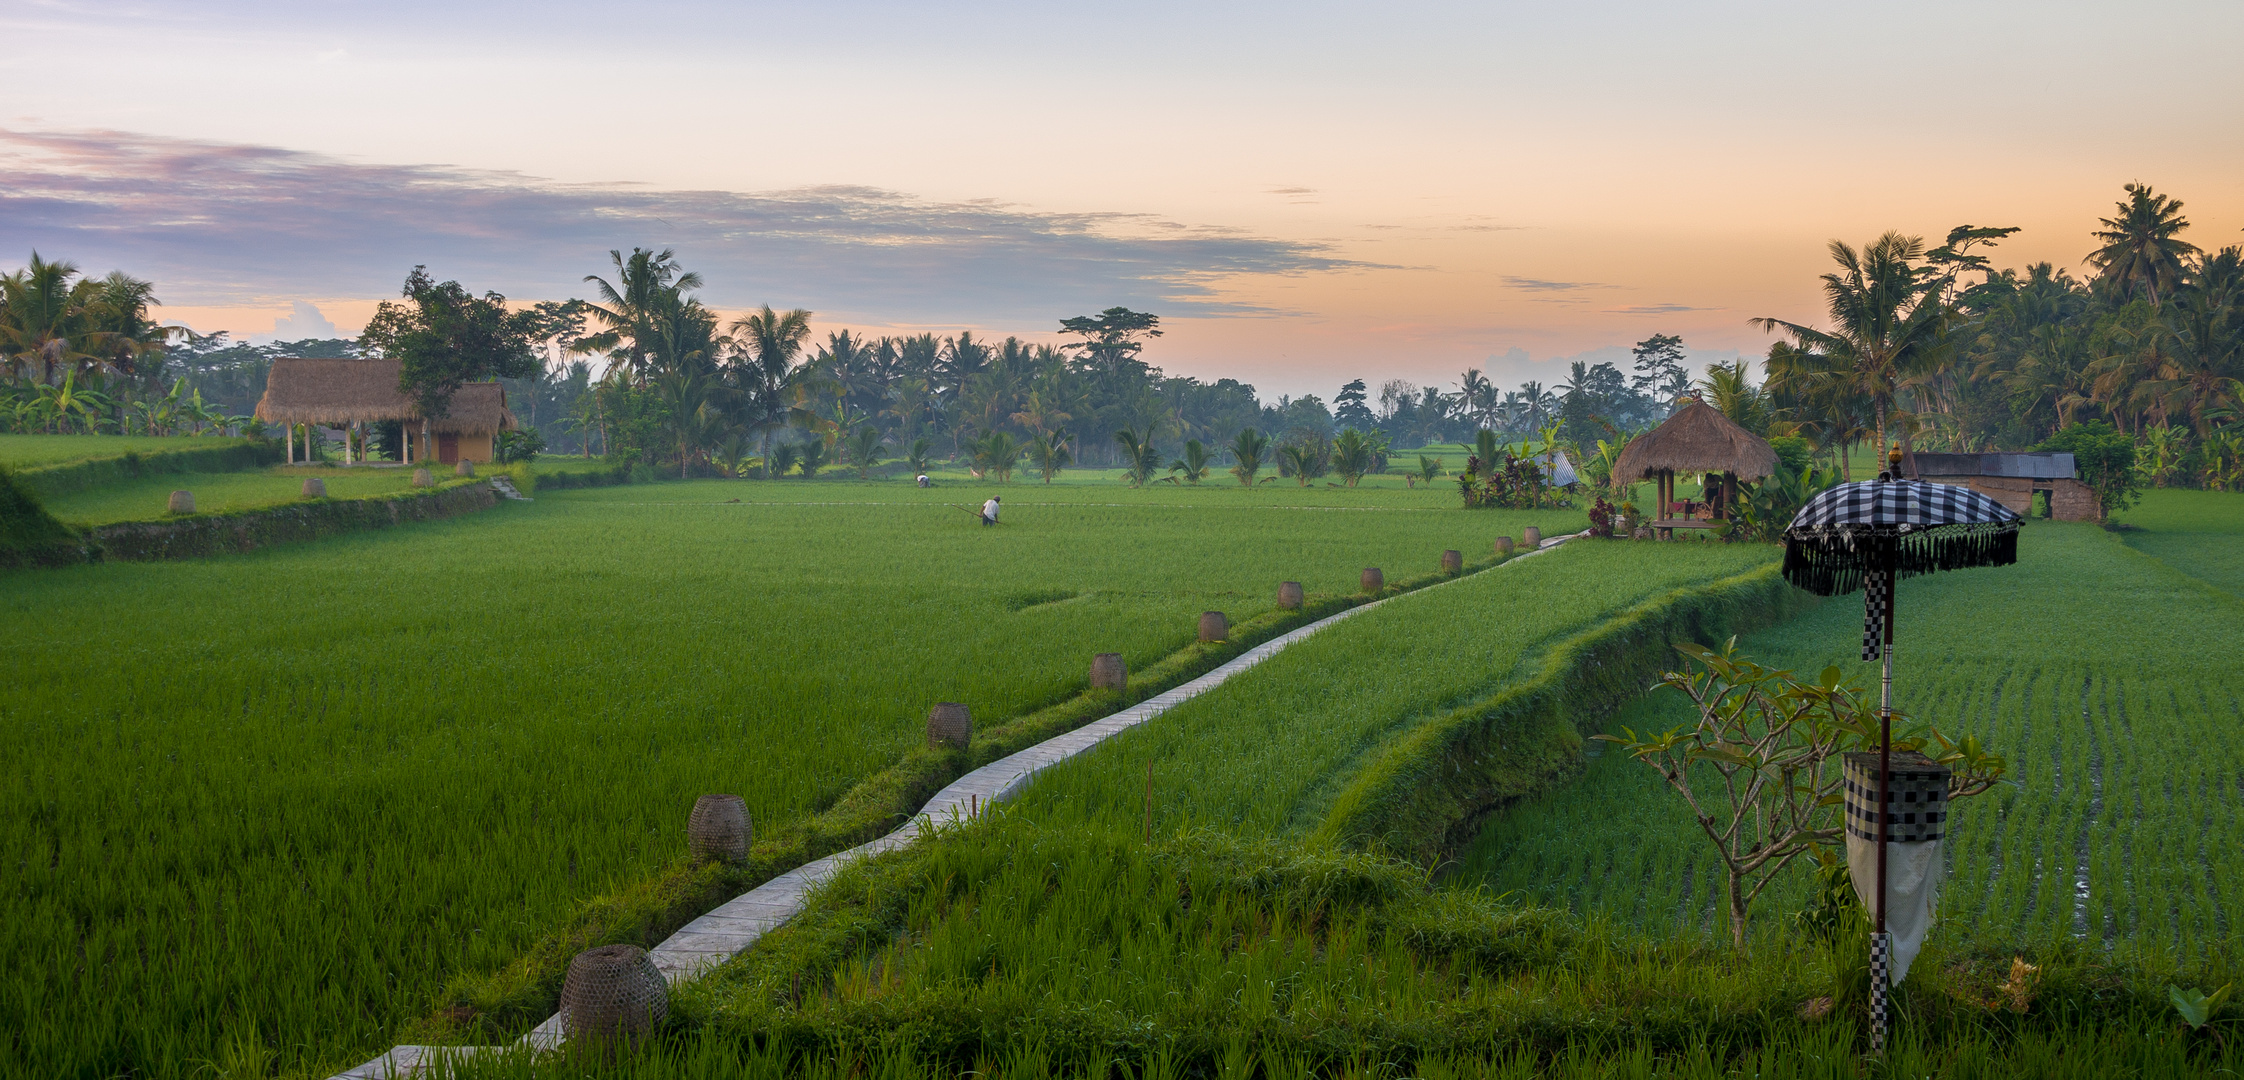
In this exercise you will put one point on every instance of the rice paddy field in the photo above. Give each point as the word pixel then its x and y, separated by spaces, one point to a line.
pixel 28 451
pixel 2200 533
pixel 275 799
pixel 1158 907
pixel 1068 910
pixel 2105 670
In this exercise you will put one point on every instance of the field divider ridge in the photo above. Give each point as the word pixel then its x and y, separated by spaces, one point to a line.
pixel 732 927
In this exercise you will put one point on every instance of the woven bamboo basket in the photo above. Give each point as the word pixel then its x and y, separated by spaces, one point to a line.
pixel 182 502
pixel 1213 626
pixel 1373 580
pixel 1917 797
pixel 1289 595
pixel 1109 672
pixel 612 994
pixel 464 468
pixel 950 724
pixel 720 829
pixel 421 478
pixel 315 488
pixel 1531 538
pixel 1503 545
pixel 1452 562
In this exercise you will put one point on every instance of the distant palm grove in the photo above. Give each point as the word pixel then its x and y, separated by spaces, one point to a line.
pixel 2137 365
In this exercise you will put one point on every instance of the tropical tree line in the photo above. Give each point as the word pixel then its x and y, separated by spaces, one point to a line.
pixel 2138 363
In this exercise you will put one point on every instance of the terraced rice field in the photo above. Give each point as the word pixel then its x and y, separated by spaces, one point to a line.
pixel 145 498
pixel 276 799
pixel 2109 679
pixel 1264 754
pixel 27 451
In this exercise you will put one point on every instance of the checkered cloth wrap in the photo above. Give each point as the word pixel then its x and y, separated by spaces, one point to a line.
pixel 1906 526
pixel 1881 946
pixel 1875 587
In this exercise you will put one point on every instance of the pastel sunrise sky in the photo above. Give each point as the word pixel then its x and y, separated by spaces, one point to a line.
pixel 1305 193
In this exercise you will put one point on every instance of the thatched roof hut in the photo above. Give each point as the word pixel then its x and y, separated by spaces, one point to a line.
pixel 1697 439
pixel 337 393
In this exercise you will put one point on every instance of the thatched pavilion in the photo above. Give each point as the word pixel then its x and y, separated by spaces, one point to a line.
pixel 354 393
pixel 1697 439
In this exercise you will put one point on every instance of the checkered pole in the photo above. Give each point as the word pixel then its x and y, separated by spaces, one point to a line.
pixel 1878 631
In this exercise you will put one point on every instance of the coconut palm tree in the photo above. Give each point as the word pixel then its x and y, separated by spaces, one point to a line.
pixel 2202 339
pixel 1139 458
pixel 1301 461
pixel 1353 455
pixel 864 450
pixel 693 412
pixel 774 384
pixel 1479 396
pixel 2140 252
pixel 1194 464
pixel 1887 322
pixel 1247 449
pixel 645 312
pixel 1049 450
pixel 996 454
pixel 45 324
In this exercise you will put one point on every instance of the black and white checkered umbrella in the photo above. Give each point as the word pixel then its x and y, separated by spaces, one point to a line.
pixel 1868 535
pixel 1900 527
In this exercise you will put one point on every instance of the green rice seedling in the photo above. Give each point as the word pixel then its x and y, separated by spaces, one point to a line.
pixel 2099 673
pixel 27 451
pixel 288 796
pixel 2200 533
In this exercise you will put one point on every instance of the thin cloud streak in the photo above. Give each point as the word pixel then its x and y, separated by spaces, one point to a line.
pixel 218 223
pixel 1526 284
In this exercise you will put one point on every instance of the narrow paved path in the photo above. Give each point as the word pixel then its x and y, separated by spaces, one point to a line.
pixel 730 929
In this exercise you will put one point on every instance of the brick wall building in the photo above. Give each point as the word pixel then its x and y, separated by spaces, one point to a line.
pixel 2012 479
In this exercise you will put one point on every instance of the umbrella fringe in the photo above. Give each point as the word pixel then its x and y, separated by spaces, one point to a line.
pixel 1830 561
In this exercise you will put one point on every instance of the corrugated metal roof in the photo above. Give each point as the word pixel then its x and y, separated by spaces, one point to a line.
pixel 2042 465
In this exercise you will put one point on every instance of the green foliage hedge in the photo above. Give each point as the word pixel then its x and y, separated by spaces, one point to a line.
pixel 1423 793
pixel 231 455
pixel 29 536
pixel 197 535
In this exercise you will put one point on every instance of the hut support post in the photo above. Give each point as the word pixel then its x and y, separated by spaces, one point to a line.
pixel 290 437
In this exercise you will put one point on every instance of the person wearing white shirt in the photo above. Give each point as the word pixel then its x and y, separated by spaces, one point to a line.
pixel 989 511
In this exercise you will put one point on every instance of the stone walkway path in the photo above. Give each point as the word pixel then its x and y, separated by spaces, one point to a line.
pixel 727 931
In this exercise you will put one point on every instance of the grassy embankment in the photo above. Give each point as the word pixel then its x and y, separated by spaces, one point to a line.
pixel 281 799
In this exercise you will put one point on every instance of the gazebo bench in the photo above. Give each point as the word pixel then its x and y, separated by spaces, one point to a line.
pixel 1672 524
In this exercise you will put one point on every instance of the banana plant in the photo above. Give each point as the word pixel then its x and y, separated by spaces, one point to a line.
pixel 68 399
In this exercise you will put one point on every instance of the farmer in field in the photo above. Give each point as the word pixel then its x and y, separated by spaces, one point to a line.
pixel 989 511
pixel 924 481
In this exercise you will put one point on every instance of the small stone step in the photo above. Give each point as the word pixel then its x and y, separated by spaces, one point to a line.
pixel 505 487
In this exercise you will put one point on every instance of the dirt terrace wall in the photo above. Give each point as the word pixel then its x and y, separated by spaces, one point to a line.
pixel 1425 793
pixel 246 530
